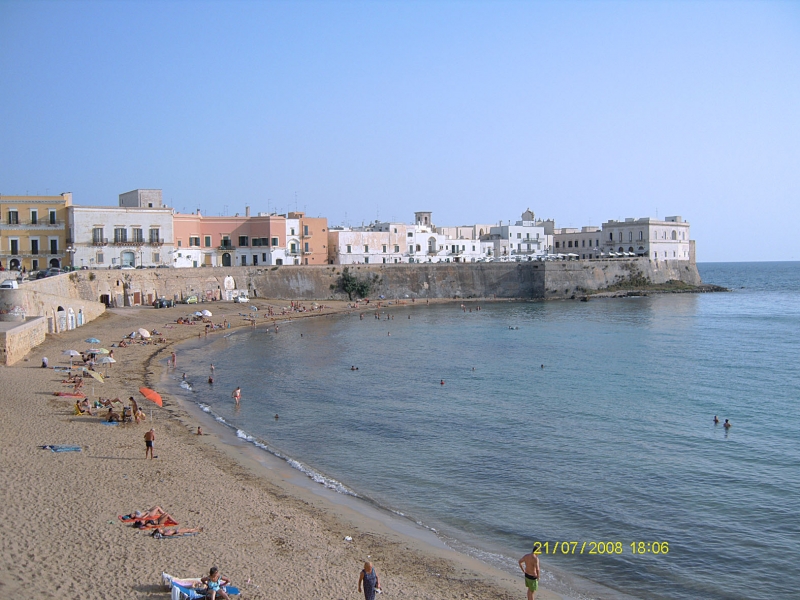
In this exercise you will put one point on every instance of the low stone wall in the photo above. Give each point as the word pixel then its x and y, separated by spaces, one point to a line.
pixel 17 338
pixel 533 280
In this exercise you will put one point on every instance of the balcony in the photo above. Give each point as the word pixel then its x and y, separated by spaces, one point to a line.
pixel 156 242
pixel 226 247
pixel 40 224
pixel 100 242
pixel 128 243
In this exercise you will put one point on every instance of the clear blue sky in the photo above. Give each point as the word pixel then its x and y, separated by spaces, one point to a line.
pixel 582 111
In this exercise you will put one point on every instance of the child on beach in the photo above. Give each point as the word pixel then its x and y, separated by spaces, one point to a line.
pixel 215 583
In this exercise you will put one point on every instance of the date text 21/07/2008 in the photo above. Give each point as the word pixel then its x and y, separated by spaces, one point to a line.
pixel 600 548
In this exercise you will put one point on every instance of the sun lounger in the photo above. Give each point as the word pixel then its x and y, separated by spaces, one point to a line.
pixel 190 588
pixel 55 448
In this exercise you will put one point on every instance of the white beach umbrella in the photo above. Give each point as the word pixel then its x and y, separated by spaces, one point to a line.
pixel 144 333
pixel 105 360
pixel 72 354
pixel 206 313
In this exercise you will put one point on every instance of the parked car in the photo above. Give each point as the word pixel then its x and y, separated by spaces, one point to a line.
pixel 9 284
pixel 242 298
pixel 127 267
pixel 191 300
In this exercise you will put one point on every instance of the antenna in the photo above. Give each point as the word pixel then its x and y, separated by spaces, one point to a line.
pixel 295 202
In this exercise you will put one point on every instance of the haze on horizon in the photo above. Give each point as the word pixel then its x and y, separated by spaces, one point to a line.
pixel 582 111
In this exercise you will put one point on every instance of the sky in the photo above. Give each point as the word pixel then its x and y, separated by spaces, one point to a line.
pixel 582 111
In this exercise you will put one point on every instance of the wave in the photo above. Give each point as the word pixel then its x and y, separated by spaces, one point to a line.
pixel 313 475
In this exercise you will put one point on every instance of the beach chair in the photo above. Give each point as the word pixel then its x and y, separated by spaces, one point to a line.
pixel 190 588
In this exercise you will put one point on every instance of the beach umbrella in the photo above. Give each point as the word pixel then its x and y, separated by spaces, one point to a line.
pixel 92 341
pixel 72 354
pixel 153 396
pixel 144 333
pixel 105 360
pixel 103 351
pixel 197 313
pixel 206 313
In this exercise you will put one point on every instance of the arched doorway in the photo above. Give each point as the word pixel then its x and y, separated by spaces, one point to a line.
pixel 54 263
pixel 128 259
pixel 13 264
pixel 61 319
pixel 432 245
pixel 226 259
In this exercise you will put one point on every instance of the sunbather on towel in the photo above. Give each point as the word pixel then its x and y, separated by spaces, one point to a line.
pixel 215 582
pixel 150 513
pixel 162 532
pixel 165 519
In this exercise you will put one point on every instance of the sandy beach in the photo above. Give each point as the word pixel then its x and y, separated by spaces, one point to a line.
pixel 274 539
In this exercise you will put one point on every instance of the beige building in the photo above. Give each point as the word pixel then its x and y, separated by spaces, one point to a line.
pixel 33 231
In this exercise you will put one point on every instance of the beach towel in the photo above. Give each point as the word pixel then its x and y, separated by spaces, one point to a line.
pixel 55 448
pixel 159 536
pixel 69 394
pixel 130 519
pixel 180 592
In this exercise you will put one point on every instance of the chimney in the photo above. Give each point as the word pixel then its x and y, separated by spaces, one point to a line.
pixel 246 211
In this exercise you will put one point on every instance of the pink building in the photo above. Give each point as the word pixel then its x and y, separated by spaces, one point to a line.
pixel 263 239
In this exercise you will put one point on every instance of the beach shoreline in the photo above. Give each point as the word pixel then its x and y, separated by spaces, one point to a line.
pixel 277 526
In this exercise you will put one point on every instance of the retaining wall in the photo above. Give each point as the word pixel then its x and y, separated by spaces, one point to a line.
pixel 17 338
pixel 533 280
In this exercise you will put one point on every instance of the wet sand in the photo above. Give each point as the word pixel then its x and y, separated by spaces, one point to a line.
pixel 271 534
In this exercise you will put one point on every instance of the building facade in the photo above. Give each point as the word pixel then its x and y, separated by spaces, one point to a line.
pixel 137 233
pixel 33 231
pixel 655 239
pixel 585 243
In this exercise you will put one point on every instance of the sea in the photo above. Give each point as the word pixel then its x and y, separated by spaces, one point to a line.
pixel 584 428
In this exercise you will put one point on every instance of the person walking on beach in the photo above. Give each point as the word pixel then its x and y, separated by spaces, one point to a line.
pixel 149 438
pixel 368 578
pixel 237 394
pixel 530 566
pixel 174 358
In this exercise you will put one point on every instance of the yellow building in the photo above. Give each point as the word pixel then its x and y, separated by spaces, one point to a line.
pixel 33 231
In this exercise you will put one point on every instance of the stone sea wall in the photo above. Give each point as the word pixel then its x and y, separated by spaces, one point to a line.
pixel 529 280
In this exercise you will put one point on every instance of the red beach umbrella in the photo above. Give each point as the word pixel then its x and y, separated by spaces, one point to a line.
pixel 151 395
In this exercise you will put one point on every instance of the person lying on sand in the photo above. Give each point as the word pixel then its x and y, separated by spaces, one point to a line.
pixel 108 403
pixel 112 417
pixel 150 513
pixel 162 520
pixel 161 532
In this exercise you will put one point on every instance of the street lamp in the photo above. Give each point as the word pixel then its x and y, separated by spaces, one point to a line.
pixel 71 252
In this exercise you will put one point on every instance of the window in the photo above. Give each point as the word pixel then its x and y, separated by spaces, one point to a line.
pixel 100 258
pixel 275 242
pixel 557 244
pixel 630 236
pixel 34 246
pixel 256 241
pixel 293 248
pixel 264 241
pixel 155 235
pixel 410 234
pixel 34 216
pixel 255 260
pixel 194 241
pixel 225 242
pixel 519 235
pixel 384 248
pixel 641 233
pixel 243 240
pixel 569 243
pixel 366 260
pixel 97 235
pixel 291 231
pixel 13 217
pixel 366 249
pixel 395 229
pixel 349 249
pixel 138 235
pixel 611 236
pixel 156 257
pixel 120 235
pixel 244 260
pixel 305 229
pixel 583 243
pixel 180 243
pixel 14 246
pixel 264 256
pixel 397 248
pixel 34 265
pixel 54 246
pixel 207 241
pixel 306 247
pixel 52 216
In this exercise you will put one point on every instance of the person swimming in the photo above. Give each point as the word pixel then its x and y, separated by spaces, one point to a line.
pixel 726 424
pixel 716 420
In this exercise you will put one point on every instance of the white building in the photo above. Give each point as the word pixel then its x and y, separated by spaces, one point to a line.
pixel 526 239
pixel 658 240
pixel 136 233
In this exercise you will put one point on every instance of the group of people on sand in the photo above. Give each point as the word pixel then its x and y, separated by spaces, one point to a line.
pixel 726 424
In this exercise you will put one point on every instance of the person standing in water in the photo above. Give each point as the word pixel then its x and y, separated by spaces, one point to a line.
pixel 237 394
pixel 369 580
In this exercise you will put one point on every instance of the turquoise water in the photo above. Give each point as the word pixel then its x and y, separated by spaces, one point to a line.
pixel 612 440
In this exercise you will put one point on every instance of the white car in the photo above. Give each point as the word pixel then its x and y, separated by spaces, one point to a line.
pixel 9 284
pixel 126 267
pixel 242 298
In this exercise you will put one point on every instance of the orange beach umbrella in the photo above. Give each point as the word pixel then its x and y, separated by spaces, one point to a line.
pixel 151 395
